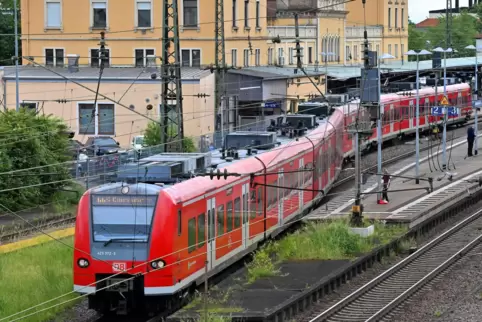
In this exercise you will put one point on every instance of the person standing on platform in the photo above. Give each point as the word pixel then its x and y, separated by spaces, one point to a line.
pixel 470 140
pixel 386 185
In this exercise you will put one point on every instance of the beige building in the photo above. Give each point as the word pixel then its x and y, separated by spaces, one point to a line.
pixel 387 26
pixel 53 29
pixel 134 100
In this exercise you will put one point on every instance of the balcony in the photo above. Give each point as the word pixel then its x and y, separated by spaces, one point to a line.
pixel 357 32
pixel 306 32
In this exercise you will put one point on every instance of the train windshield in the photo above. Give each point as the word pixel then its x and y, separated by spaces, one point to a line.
pixel 128 222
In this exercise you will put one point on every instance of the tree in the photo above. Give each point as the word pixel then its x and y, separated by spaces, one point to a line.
pixel 7 26
pixel 152 137
pixel 39 144
pixel 416 39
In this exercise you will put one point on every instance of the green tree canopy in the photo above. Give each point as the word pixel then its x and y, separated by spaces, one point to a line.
pixel 152 137
pixel 7 27
pixel 36 143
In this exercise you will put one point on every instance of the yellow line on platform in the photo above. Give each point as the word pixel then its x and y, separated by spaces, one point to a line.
pixel 10 247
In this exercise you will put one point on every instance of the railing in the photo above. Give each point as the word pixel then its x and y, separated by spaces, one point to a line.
pixel 289 31
pixel 357 32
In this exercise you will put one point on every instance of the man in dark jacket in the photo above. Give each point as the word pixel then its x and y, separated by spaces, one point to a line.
pixel 386 185
pixel 470 140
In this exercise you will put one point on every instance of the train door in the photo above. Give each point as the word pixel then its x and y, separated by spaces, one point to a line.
pixel 211 251
pixel 280 197
pixel 411 115
pixel 245 210
pixel 392 119
pixel 426 110
pixel 300 181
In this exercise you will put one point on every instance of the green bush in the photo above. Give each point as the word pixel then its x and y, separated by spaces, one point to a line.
pixel 152 137
pixel 39 146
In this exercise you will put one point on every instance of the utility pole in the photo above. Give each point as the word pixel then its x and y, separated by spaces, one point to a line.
pixel 17 95
pixel 448 24
pixel 220 50
pixel 172 127
pixel 444 135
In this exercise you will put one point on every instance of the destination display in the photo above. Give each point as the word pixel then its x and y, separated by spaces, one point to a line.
pixel 117 200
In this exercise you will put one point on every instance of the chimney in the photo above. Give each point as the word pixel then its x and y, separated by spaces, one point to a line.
pixel 73 63
pixel 151 63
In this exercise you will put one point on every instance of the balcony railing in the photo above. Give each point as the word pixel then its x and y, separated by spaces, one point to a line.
pixel 357 32
pixel 289 31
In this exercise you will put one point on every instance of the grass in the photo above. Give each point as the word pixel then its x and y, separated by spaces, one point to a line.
pixel 322 241
pixel 216 302
pixel 34 275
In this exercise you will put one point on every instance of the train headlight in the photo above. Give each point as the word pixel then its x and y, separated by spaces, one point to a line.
pixel 83 263
pixel 158 264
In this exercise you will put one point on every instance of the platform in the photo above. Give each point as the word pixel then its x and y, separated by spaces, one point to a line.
pixel 412 206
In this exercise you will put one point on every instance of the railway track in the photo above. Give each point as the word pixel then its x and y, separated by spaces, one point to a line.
pixel 376 300
pixel 48 224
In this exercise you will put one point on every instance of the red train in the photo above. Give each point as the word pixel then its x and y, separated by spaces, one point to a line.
pixel 161 241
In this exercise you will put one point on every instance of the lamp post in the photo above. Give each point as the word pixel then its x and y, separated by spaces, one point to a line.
pixel 417 113
pixel 326 55
pixel 475 97
pixel 444 137
pixel 379 123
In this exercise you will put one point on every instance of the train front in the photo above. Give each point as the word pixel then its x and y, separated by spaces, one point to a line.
pixel 113 238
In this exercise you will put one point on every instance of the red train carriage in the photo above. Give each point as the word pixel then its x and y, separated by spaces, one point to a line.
pixel 140 242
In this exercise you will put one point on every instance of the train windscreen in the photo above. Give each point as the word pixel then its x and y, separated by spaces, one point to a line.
pixel 122 218
pixel 320 110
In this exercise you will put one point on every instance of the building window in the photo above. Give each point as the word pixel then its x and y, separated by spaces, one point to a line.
pixel 396 17
pixel 29 106
pixel 191 57
pixel 402 17
pixel 389 49
pixel 270 56
pixel 96 122
pixel 246 58
pixel 347 52
pixel 257 57
pixel 257 15
pixel 310 55
pixel 246 13
pixel 54 57
pixel 190 13
pixel 355 51
pixel 280 56
pixel 292 56
pixel 95 58
pixel 389 17
pixel 235 13
pixel 234 57
pixel 378 50
pixel 144 14
pixel 53 14
pixel 402 51
pixel 396 51
pixel 141 56
pixel 99 14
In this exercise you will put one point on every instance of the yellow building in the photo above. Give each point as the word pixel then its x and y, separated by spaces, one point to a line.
pixel 387 26
pixel 134 99
pixel 53 29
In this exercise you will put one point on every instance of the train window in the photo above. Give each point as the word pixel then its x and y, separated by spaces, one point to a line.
pixel 237 212
pixel 179 222
pixel 229 215
pixel 220 220
pixel 191 235
pixel 260 201
pixel 201 230
pixel 253 204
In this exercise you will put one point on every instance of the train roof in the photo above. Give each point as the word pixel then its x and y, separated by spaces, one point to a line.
pixel 199 186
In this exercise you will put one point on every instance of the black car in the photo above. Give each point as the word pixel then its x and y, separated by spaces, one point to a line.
pixel 101 145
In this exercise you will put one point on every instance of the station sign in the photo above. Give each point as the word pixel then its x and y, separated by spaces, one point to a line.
pixel 477 104
pixel 449 110
pixel 272 105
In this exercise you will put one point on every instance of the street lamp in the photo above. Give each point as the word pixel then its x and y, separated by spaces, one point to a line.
pixel 444 137
pixel 326 55
pixel 417 113
pixel 379 123
pixel 475 97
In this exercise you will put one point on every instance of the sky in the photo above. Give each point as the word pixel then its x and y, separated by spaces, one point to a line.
pixel 418 9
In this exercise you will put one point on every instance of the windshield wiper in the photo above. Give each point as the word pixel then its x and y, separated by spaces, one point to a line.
pixel 121 239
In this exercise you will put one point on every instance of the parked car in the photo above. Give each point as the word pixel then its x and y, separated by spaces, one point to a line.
pixel 137 142
pixel 101 145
